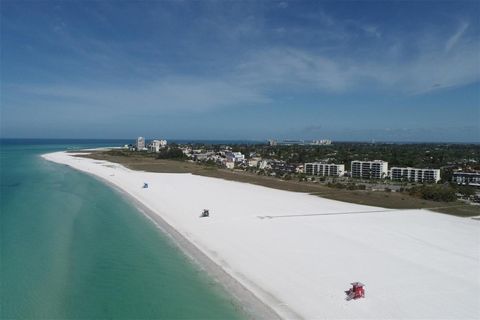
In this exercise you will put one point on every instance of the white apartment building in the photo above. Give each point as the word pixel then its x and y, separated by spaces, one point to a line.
pixel 467 178
pixel 415 174
pixel 140 143
pixel 156 145
pixel 324 169
pixel 376 169
pixel 234 156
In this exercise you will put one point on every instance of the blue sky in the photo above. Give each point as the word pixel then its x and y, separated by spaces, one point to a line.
pixel 392 71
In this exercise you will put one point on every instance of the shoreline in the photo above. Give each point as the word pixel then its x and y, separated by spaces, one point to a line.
pixel 299 267
pixel 243 298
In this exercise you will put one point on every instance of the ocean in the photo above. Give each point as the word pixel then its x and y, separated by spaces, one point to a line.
pixel 72 247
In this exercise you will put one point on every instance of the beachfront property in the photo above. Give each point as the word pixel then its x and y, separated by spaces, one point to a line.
pixel 376 169
pixel 235 157
pixel 204 156
pixel 415 174
pixel 156 145
pixel 224 157
pixel 278 166
pixel 140 144
pixel 324 169
pixel 467 178
pixel 254 161
pixel 282 167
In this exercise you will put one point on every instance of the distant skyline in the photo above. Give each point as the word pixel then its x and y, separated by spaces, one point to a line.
pixel 351 71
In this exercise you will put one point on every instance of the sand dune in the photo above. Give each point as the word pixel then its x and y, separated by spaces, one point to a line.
pixel 298 253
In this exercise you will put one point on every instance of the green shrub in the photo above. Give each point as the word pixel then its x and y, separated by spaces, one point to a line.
pixel 434 192
pixel 466 191
pixel 171 153
pixel 351 186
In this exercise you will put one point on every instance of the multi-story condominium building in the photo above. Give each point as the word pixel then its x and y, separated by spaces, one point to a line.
pixel 282 167
pixel 156 145
pixel 234 156
pixel 324 169
pixel 140 143
pixel 467 178
pixel 415 174
pixel 376 169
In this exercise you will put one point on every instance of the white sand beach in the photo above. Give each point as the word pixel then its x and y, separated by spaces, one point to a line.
pixel 298 253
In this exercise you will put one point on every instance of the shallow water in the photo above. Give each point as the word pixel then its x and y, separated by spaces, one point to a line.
pixel 71 247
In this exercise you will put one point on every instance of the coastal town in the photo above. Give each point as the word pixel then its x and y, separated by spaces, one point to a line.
pixel 361 173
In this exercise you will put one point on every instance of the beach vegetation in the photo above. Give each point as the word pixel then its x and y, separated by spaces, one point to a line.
pixel 466 191
pixel 443 193
pixel 172 152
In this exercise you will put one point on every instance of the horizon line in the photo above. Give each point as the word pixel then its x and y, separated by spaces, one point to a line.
pixel 250 140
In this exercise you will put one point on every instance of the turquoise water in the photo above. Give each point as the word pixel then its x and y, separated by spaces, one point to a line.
pixel 71 247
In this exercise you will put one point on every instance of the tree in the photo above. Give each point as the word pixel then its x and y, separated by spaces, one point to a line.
pixel 171 153
pixel 434 192
pixel 466 191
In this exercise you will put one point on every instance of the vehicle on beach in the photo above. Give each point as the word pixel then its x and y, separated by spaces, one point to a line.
pixel 145 185
pixel 205 213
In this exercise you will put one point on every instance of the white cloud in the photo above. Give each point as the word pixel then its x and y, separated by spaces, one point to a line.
pixel 456 36
pixel 372 30
pixel 430 69
pixel 165 96
pixel 287 66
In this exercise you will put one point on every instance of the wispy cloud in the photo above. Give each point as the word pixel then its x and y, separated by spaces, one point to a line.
pixel 294 68
pixel 456 36
pixel 372 30
pixel 155 98
pixel 430 69
pixel 321 52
